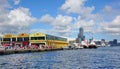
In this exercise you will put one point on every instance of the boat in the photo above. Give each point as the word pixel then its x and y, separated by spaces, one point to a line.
pixel 92 45
pixel 103 44
pixel 84 44
pixel 77 46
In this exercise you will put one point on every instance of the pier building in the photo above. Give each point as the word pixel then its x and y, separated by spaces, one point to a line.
pixel 38 39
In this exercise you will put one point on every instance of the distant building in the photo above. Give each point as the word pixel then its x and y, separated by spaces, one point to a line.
pixel 103 40
pixel 80 37
pixel 71 42
pixel 113 43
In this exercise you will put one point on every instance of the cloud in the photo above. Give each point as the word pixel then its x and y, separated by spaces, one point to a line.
pixel 61 24
pixel 21 17
pixel 109 12
pixel 65 25
pixel 4 4
pixel 77 7
pixel 47 18
pixel 88 25
pixel 16 2
pixel 15 20
pixel 113 27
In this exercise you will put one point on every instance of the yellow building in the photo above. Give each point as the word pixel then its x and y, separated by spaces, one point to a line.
pixel 55 41
pixel 8 38
pixel 37 38
pixel 47 40
pixel 22 39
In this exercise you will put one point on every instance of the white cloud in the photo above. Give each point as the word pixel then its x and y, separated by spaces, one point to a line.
pixel 88 25
pixel 72 6
pixel 46 18
pixel 77 6
pixel 16 20
pixel 21 17
pixel 61 24
pixel 16 2
pixel 113 27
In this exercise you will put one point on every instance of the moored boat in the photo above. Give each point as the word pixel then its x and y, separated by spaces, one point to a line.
pixel 92 44
pixel 84 44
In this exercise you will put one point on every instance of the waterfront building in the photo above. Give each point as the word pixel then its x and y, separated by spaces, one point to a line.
pixel 7 39
pixel 113 43
pixel 71 42
pixel 38 39
pixel 21 40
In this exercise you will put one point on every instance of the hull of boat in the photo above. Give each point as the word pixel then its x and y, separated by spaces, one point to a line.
pixel 92 46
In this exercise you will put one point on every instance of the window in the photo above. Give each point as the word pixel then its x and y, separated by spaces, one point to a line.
pixel 19 39
pixel 13 39
pixel 37 38
pixel 33 38
pixel 26 39
pixel 41 38
pixel 6 39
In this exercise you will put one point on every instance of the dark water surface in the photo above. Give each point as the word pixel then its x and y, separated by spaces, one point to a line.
pixel 100 58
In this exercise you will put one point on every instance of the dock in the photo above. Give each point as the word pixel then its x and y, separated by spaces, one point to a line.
pixel 7 52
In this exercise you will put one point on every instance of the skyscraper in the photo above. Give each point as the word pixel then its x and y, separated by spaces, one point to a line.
pixel 80 35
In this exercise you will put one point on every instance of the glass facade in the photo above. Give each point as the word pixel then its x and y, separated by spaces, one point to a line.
pixel 37 38
pixel 51 37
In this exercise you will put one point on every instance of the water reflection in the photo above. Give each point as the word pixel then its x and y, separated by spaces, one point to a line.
pixel 101 58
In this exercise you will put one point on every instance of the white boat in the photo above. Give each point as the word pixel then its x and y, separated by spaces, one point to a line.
pixel 103 44
pixel 78 46
pixel 84 44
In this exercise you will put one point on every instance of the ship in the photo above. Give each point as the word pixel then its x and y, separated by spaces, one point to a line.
pixel 92 45
pixel 84 44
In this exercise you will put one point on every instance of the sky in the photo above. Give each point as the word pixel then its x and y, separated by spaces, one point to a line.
pixel 99 18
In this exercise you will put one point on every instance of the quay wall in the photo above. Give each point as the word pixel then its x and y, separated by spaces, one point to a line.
pixel 6 52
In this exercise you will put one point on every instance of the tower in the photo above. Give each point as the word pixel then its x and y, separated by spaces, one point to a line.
pixel 80 35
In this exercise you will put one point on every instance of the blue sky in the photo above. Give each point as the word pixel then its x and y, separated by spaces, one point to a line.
pixel 99 18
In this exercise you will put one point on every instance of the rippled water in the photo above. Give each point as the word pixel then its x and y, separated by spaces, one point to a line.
pixel 100 58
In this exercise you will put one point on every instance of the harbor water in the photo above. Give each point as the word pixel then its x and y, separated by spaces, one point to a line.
pixel 100 58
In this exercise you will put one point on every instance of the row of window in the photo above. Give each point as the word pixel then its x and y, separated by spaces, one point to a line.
pixel 14 39
pixel 23 39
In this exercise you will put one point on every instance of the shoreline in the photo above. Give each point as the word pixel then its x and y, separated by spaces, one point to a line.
pixel 7 52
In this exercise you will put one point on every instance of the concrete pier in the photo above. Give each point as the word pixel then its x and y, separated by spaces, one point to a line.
pixel 6 52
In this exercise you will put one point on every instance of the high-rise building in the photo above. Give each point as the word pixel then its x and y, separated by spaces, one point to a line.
pixel 80 37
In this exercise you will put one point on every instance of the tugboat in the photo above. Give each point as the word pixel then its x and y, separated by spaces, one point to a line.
pixel 84 44
pixel 92 45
